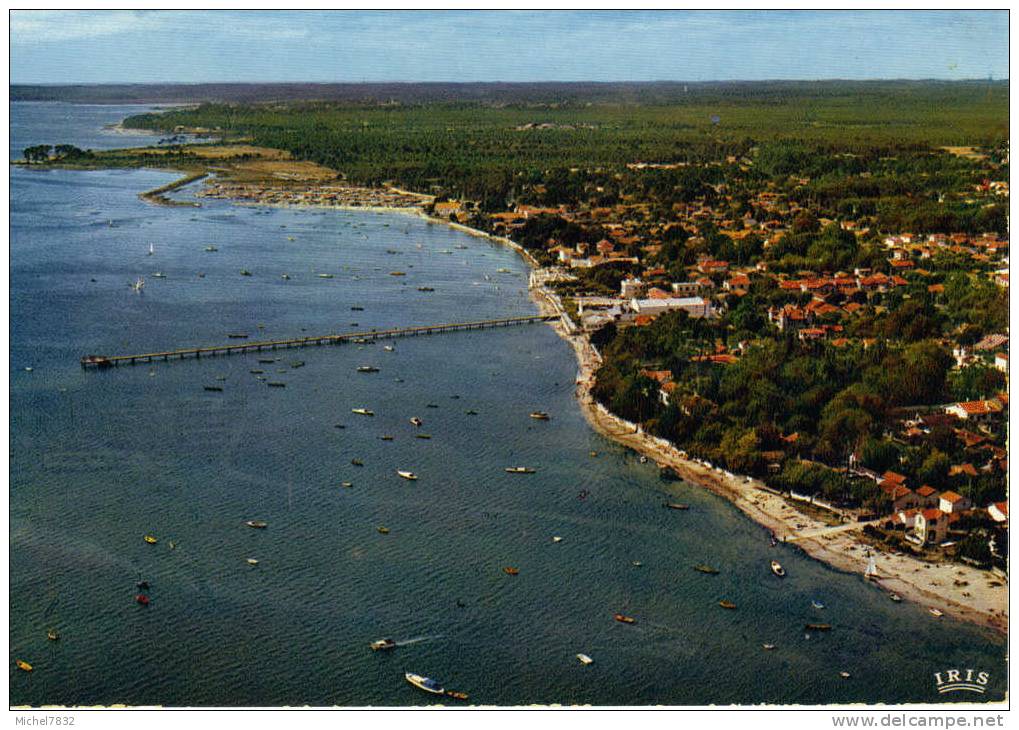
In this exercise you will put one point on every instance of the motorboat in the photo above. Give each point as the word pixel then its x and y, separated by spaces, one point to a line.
pixel 356 462
pixel 623 619
pixel 425 288
pixel 257 524
pixel 768 647
pixel 397 273
pixel 777 569
pixel 142 599
pixel 706 569
pixel 143 585
pixel 150 539
pixel 382 645
pixel 158 275
pixel 585 659
pixel 23 665
pixel 428 685
pixel 817 604
pixel 818 627
pixel 325 276
pixel 510 570
pixel 285 277
pixel 346 485
pixel 416 421
pixel 210 248
pixel 677 505
pixel 245 272
pixel 424 436
pixel 237 335
pixel 519 470
pixel 138 285
pixel 367 369
pixel 724 603
pixel 936 612
pixel 382 530
pixel 52 635
pixel 276 384
pixel 845 675
pixel 214 388
pixel 540 416
pixel 252 561
pixel 362 411
pixel 386 437
pixel 409 475
pixel 557 539
pixel 896 598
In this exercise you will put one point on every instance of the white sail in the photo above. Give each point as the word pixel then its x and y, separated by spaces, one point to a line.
pixel 871 568
pixel 152 249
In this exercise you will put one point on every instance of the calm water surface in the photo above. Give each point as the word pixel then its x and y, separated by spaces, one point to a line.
pixel 99 459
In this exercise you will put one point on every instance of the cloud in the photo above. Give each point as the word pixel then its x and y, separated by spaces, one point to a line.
pixel 39 26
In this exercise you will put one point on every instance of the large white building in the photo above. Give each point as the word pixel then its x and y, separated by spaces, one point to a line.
pixel 694 306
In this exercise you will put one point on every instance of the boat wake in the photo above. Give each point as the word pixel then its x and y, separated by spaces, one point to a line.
pixel 417 640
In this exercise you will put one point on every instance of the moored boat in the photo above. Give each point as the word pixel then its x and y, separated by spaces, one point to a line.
pixel 725 603
pixel 585 659
pixel 706 569
pixel 252 561
pixel 895 597
pixel 23 665
pixel 150 539
pixel 623 619
pixel 416 421
pixel 540 416
pixel 409 475
pixel 817 604
pixel 382 529
pixel 937 613
pixel 367 369
pixel 257 524
pixel 677 505
pixel 818 627
pixel 52 635
pixel 768 647
pixel 510 570
pixel 428 685
pixel 777 569
pixel 362 411
pixel 519 470
pixel 142 599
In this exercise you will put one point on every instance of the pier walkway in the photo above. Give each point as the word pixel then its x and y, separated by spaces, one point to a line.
pixel 106 361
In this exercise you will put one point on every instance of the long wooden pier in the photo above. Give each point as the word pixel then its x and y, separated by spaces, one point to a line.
pixel 106 361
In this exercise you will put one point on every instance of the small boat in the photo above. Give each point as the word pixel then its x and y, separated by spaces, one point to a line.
pixel 266 360
pixel 397 273
pixel 585 659
pixel 557 539
pixel 503 271
pixel 276 384
pixel 624 619
pixel 257 372
pixel 727 604
pixel 362 411
pixel 325 276
pixel 152 249
pixel 388 348
pixel 382 530
pixel 817 604
pixel 936 612
pixel 297 364
pixel 52 635
pixel 245 272
pixel 23 665
pixel 142 599
pixel 768 647
pixel 214 388
pixel 895 597
pixel 210 248
pixel 172 545
pixel 845 675
pixel 357 309
pixel 706 569
pixel 290 238
pixel 455 695
pixel 519 470
pixel 386 438
pixel 425 288
pixel 150 539
pixel 428 685
pixel 367 369
pixel 416 421
pixel 540 416
pixel 285 277
pixel 642 459
pixel 257 524
pixel 143 585
pixel 777 569
pixel 407 475
pixel 159 275
pixel 357 462
pixel 471 413
pixel 677 505
pixel 252 561
pixel 382 645
pixel 636 564
pixel 424 436
pixel 510 570
pixel 237 335
pixel 346 485
pixel 431 405
pixel 138 285
pixel 818 627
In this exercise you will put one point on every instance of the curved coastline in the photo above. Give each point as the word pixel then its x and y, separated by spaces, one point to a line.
pixel 835 548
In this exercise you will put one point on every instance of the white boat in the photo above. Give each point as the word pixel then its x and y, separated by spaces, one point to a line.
pixel 416 421
pixel 817 604
pixel 585 659
pixel 519 470
pixel 159 275
pixel 935 612
pixel 768 647
pixel 382 644
pixel 387 348
pixel 152 249
pixel 557 539
pixel 777 569
pixel 210 248
pixel 285 277
pixel 845 675
pixel 252 561
pixel 896 598
pixel 407 475
pixel 871 571
pixel 428 685
pixel 362 411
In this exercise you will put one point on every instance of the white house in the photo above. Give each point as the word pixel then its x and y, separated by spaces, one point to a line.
pixel 694 306
pixel 998 511
pixel 950 502
pixel 931 525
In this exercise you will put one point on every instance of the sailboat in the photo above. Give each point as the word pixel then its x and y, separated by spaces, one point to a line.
pixel 138 285
pixel 152 249
pixel 871 572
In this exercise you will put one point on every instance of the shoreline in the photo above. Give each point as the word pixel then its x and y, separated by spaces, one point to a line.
pixel 833 546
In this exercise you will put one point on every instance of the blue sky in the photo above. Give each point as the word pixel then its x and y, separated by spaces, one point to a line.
pixel 521 45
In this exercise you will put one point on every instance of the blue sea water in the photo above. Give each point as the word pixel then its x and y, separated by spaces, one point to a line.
pixel 100 459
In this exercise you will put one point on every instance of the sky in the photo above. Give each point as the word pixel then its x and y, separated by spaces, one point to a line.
pixel 190 46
